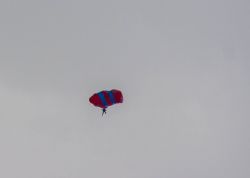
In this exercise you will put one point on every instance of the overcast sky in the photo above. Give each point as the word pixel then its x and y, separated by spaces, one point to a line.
pixel 183 67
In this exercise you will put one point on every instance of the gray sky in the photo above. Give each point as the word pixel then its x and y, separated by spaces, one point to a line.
pixel 183 67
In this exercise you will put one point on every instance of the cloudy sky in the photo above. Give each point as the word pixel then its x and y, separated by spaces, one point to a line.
pixel 183 67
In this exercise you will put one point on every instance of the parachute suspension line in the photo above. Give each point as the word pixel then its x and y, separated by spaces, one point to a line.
pixel 104 111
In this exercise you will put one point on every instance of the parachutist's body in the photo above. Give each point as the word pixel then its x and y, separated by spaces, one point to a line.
pixel 104 111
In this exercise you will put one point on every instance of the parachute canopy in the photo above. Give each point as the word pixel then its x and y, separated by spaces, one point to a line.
pixel 105 98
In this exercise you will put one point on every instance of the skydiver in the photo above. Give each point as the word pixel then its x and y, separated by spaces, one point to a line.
pixel 104 111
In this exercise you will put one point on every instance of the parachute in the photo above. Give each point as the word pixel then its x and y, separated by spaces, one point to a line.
pixel 104 99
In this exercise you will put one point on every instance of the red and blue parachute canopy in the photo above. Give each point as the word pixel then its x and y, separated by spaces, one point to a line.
pixel 105 98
